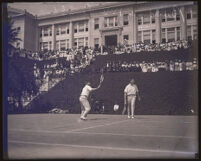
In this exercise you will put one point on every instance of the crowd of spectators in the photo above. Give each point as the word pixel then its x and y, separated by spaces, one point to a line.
pixel 75 60
pixel 155 66
pixel 87 53
pixel 139 47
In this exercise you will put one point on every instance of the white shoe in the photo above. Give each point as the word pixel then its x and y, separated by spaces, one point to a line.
pixel 133 117
pixel 83 118
pixel 129 117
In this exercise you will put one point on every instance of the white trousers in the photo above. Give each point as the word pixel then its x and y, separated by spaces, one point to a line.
pixel 85 106
pixel 131 104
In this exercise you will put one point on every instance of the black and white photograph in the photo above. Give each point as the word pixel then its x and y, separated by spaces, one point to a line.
pixel 100 80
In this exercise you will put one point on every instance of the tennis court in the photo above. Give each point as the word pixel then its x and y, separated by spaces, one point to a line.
pixel 50 136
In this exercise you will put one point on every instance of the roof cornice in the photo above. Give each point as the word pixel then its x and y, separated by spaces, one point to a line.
pixel 90 9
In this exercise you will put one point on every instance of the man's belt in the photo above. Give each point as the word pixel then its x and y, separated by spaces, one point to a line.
pixel 131 95
pixel 83 96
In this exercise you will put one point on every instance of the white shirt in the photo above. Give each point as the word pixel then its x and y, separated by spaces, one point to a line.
pixel 131 89
pixel 86 90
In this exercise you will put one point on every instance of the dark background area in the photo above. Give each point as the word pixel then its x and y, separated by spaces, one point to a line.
pixel 162 93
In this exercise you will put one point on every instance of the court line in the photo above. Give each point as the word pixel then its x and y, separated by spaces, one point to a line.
pixel 100 147
pixel 120 134
pixel 74 130
pixel 101 133
pixel 182 122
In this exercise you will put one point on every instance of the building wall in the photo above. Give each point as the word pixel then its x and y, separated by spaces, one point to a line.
pixel 30 33
pixel 185 28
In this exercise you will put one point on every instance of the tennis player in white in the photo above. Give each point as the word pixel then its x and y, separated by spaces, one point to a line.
pixel 85 106
pixel 130 93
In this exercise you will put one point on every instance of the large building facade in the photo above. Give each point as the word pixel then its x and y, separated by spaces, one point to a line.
pixel 108 25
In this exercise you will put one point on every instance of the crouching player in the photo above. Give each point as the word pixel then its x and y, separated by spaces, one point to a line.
pixel 130 93
pixel 85 106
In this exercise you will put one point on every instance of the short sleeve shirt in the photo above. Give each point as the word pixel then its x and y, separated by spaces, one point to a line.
pixel 131 89
pixel 86 90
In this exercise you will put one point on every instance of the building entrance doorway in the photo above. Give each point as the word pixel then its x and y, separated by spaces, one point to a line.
pixel 111 41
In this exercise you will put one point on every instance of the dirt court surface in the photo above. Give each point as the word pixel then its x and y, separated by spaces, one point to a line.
pixel 50 136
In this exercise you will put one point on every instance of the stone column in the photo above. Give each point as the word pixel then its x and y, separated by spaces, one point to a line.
pixel 142 38
pixel 135 28
pixel 183 23
pixel 71 31
pixel 37 47
pixel 53 37
pixel 151 36
pixel 175 30
pixel 101 27
pixel 166 37
pixel 158 26
pixel 90 31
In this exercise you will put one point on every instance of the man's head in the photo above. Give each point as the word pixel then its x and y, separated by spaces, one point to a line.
pixel 132 81
pixel 88 83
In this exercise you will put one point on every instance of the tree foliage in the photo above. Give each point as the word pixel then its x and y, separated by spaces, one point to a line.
pixel 19 72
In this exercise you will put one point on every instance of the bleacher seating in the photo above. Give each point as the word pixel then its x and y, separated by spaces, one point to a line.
pixel 162 92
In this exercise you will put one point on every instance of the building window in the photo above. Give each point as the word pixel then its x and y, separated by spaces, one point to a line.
pixel 80 42
pixel 86 41
pixel 81 27
pixel 139 36
pixel 188 15
pixel 125 19
pixel 146 36
pixel 50 45
pixel 162 14
pixel 177 17
pixel 163 37
pixel 170 15
pixel 45 45
pixel 86 27
pixel 195 32
pixel 67 44
pixel 75 28
pixel 63 30
pixel 41 33
pixel 67 29
pixel 50 32
pixel 153 36
pixel 63 45
pixel 171 34
pixel 153 18
pixel 96 43
pixel 75 42
pixel 189 36
pixel 57 30
pixel 96 23
pixel 105 22
pixel 57 45
pixel 146 18
pixel 139 21
pixel 126 37
pixel 19 28
pixel 45 31
pixel 110 21
pixel 115 21
pixel 178 33
pixel 194 12
pixel 41 46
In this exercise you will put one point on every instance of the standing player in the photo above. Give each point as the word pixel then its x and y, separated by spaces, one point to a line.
pixel 130 93
pixel 85 106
